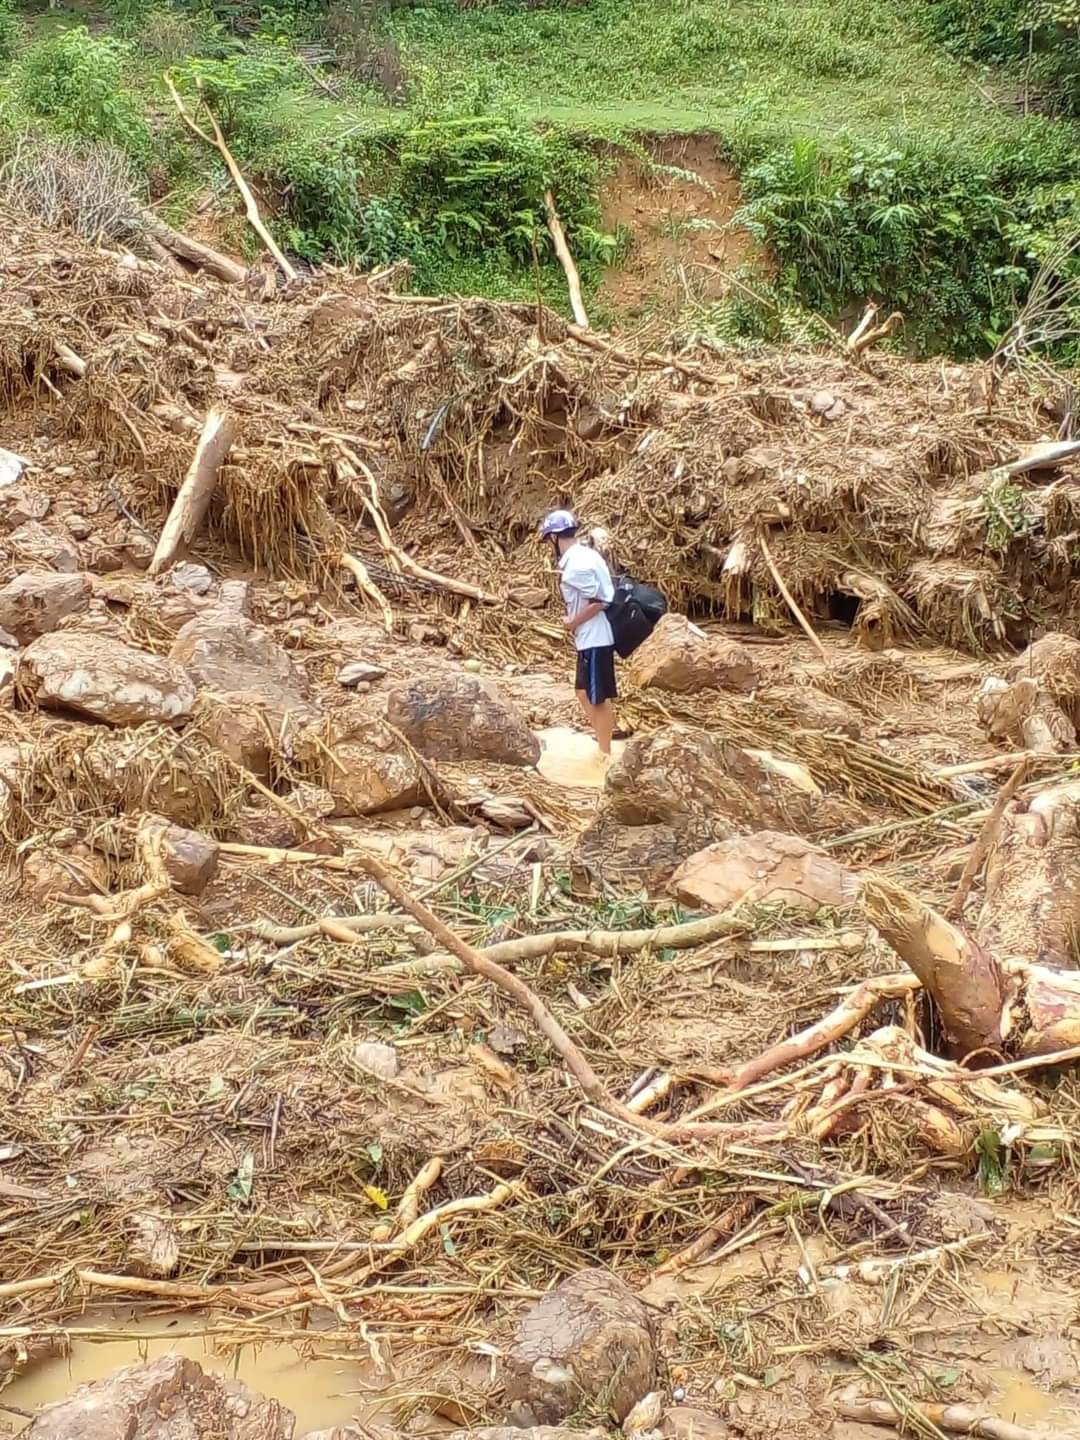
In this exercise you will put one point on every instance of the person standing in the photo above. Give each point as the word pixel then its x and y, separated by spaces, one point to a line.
pixel 587 589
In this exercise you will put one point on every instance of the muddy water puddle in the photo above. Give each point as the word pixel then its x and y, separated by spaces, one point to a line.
pixel 321 1391
pixel 570 758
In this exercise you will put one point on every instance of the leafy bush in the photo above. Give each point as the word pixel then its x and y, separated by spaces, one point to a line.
pixel 75 81
pixel 929 229
pixel 362 50
pixel 238 88
pixel 10 33
pixel 1045 34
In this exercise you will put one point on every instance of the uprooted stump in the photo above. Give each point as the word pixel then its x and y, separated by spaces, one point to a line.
pixel 1012 988
pixel 587 1342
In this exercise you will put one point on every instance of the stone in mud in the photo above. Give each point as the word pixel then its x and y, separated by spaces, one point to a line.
pixel 1053 663
pixel 681 776
pixel 35 602
pixel 187 858
pixel 688 1422
pixel 587 1340
pixel 170 1398
pixel 628 858
pixel 77 871
pixel 224 651
pixel 813 709
pixel 96 675
pixel 461 718
pixel 766 868
pixel 1025 714
pixel 247 728
pixel 359 672
pixel 679 657
pixel 380 775
pixel 517 1432
pixel 33 544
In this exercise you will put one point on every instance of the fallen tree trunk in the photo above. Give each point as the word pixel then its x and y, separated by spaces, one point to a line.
pixel 566 260
pixel 193 499
pixel 1012 988
pixel 193 251
pixel 959 1419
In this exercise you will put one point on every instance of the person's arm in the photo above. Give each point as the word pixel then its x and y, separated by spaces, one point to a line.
pixel 594 608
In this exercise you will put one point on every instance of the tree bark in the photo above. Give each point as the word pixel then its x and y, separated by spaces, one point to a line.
pixel 193 251
pixel 566 260
pixel 193 500
pixel 1013 988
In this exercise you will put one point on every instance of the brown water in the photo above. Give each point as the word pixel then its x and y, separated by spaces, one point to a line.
pixel 570 758
pixel 316 1390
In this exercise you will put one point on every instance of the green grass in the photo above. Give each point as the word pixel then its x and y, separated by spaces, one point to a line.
pixel 811 68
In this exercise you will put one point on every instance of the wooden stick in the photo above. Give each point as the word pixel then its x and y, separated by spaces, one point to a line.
pixel 357 924
pixel 566 260
pixel 194 496
pixel 786 593
pixel 251 209
pixel 869 315
pixel 364 583
pixel 985 839
pixel 69 361
pixel 960 1419
pixel 193 251
pixel 648 359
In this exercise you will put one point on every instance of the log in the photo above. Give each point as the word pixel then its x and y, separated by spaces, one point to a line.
pixel 193 500
pixel 193 251
pixel 251 209
pixel 966 983
pixel 959 1419
pixel 1012 988
pixel 566 260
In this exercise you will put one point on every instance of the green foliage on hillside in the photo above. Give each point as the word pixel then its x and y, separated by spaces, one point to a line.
pixel 1039 37
pixel 872 165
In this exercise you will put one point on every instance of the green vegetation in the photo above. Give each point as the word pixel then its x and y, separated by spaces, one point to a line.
pixel 872 163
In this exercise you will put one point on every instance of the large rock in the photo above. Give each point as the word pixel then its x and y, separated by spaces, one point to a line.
pixel 588 1340
pixel 170 1398
pixel 678 656
pixel 768 867
pixel 35 602
pixel 379 775
pixel 1053 663
pixel 33 544
pixel 1025 714
pixel 224 651
pixel 461 718
pixel 248 728
pixel 679 775
pixel 188 859
pixel 95 675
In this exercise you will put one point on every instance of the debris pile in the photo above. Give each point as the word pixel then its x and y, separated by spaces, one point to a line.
pixel 330 1003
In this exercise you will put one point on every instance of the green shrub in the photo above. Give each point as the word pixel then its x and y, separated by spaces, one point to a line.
pixel 1044 34
pixel 240 88
pixel 10 33
pixel 76 82
pixel 930 229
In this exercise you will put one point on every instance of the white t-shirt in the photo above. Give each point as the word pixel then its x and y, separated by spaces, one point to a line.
pixel 583 578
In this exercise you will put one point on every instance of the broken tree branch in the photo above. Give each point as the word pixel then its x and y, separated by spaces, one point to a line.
pixel 566 260
pixel 364 583
pixel 193 251
pixel 790 599
pixel 251 209
pixel 985 839
pixel 194 496
pixel 959 1419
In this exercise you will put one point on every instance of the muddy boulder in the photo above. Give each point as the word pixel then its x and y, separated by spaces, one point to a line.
pixel 371 770
pixel 33 544
pixel 688 1422
pixel 225 652
pixel 170 1398
pixel 35 602
pixel 460 717
pixel 516 1432
pixel 766 868
pixel 187 859
pixel 589 1340
pixel 96 675
pixel 1053 663
pixel 679 657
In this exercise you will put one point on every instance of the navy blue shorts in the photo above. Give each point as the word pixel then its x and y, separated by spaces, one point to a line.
pixel 596 674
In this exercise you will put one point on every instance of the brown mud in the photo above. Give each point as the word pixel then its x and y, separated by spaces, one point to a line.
pixel 217 1106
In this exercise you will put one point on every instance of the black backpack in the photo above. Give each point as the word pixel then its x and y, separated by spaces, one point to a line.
pixel 633 613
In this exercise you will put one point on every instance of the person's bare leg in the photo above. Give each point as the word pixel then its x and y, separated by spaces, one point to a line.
pixel 602 719
pixel 586 708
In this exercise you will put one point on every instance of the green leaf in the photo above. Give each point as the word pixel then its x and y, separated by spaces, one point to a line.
pixel 243 1181
pixel 448 1241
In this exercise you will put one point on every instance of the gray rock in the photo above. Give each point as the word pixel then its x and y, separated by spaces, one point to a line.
pixel 358 672
pixel 35 602
pixel 98 676
pixel 190 579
